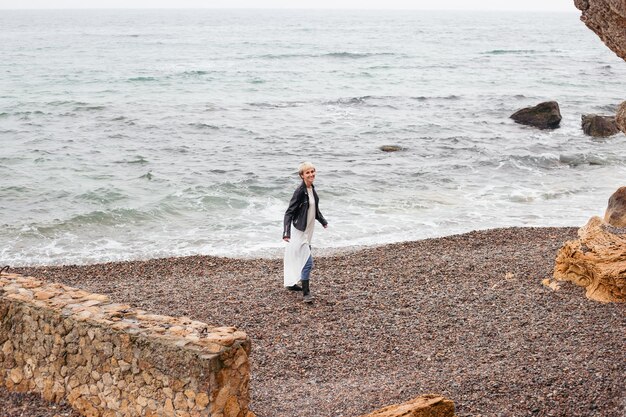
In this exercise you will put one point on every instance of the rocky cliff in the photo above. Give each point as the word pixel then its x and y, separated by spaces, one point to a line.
pixel 607 18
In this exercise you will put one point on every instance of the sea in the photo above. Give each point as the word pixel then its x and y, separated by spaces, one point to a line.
pixel 138 134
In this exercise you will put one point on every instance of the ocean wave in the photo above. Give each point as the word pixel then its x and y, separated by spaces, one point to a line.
pixel 425 98
pixel 514 51
pixel 575 160
pixel 100 218
pixel 203 126
pixel 342 55
pixel 25 115
pixel 357 55
pixel 279 105
pixel 194 73
pixel 137 160
pixel 89 108
pixel 142 79
pixel 102 196
pixel 66 102
pixel 536 161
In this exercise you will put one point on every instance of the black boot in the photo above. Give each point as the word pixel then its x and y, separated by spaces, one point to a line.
pixel 294 287
pixel 306 292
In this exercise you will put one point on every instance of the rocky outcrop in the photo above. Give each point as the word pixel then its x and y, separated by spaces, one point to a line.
pixel 423 406
pixel 620 117
pixel 615 213
pixel 597 260
pixel 111 360
pixel 544 115
pixel 607 18
pixel 599 126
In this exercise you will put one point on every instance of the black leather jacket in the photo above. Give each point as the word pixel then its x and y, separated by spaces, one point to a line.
pixel 298 208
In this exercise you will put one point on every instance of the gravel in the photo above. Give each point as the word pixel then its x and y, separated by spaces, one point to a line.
pixel 464 316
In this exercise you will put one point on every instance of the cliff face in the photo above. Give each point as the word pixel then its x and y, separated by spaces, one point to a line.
pixel 607 18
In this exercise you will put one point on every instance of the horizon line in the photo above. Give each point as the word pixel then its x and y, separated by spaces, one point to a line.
pixel 296 8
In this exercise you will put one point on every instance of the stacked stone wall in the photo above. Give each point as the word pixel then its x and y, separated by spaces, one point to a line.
pixel 108 359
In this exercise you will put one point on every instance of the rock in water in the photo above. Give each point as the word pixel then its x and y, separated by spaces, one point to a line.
pixel 597 260
pixel 620 117
pixel 599 126
pixel 615 214
pixel 607 18
pixel 390 148
pixel 544 115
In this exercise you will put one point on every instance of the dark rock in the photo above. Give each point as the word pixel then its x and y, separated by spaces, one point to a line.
pixel 599 126
pixel 620 117
pixel 615 214
pixel 607 18
pixel 390 148
pixel 544 115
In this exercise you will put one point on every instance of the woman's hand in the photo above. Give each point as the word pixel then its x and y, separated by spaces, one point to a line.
pixel 286 239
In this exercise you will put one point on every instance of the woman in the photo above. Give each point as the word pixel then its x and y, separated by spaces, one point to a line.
pixel 302 212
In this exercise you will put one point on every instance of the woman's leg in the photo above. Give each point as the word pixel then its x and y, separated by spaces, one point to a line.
pixel 304 277
pixel 306 269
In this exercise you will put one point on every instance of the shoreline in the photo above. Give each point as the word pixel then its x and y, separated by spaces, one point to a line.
pixel 277 253
pixel 464 316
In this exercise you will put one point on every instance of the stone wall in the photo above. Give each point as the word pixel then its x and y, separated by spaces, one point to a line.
pixel 108 359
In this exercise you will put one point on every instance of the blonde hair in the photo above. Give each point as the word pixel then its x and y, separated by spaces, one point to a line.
pixel 305 166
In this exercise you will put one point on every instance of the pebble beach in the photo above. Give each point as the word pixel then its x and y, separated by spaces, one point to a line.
pixel 465 316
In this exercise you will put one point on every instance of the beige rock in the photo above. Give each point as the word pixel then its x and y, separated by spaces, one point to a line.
pixel 44 295
pixel 168 392
pixel 168 408
pixel 615 214
pixel 596 261
pixel 423 406
pixel 202 400
pixel 180 402
pixel 16 375
pixel 86 408
pixel 232 409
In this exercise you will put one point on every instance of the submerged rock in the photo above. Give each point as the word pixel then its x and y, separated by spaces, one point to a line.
pixel 607 18
pixel 597 260
pixel 599 126
pixel 620 117
pixel 544 115
pixel 390 148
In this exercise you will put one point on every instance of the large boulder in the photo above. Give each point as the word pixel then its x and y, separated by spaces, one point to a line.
pixel 599 126
pixel 597 260
pixel 620 117
pixel 607 18
pixel 544 115
pixel 428 405
pixel 615 213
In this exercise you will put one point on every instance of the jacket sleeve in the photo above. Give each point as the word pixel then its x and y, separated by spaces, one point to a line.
pixel 320 218
pixel 318 214
pixel 289 213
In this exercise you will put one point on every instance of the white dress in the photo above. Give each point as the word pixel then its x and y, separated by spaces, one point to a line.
pixel 298 249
